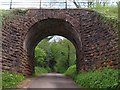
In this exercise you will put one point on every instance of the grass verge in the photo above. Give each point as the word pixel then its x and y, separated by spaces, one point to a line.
pixel 11 80
pixel 101 79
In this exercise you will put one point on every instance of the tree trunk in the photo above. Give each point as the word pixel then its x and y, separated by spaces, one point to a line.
pixel 68 64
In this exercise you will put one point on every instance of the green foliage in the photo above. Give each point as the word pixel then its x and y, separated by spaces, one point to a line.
pixel 108 14
pixel 105 78
pixel 48 69
pixel 19 12
pixel 9 14
pixel 3 14
pixel 39 57
pixel 108 78
pixel 60 53
pixel 71 71
pixel 11 80
pixel 40 70
pixel 50 61
pixel 59 69
pixel 56 59
pixel 107 11
pixel 0 79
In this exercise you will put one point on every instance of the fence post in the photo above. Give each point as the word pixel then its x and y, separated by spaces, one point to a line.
pixel 40 4
pixel 66 4
pixel 11 4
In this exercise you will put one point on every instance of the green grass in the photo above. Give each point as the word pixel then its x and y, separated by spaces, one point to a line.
pixel 11 80
pixel 108 14
pixel 11 13
pixel 106 78
pixel 107 11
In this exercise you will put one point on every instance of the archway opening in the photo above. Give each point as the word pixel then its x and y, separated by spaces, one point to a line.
pixel 54 54
pixel 49 27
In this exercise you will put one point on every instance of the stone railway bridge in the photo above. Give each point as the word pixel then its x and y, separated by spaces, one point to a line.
pixel 95 40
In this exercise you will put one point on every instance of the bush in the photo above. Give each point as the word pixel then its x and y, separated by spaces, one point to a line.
pixel 106 78
pixel 60 69
pixel 71 71
pixel 48 69
pixel 40 70
pixel 11 80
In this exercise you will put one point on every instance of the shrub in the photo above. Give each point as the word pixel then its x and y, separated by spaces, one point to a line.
pixel 11 80
pixel 60 69
pixel 71 71
pixel 106 78
pixel 40 70
pixel 48 69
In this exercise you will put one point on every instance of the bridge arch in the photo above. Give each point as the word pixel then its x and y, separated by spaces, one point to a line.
pixel 49 27
pixel 95 40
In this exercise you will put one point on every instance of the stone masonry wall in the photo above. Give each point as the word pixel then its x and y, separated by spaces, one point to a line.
pixel 96 41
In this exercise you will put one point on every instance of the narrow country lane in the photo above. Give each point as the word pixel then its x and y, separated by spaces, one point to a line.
pixel 52 80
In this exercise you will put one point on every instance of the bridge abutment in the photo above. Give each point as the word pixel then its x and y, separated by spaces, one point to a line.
pixel 96 42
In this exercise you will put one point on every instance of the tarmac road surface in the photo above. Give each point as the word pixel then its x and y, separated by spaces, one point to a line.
pixel 52 80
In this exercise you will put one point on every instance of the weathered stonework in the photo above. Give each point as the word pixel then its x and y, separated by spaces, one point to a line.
pixel 95 41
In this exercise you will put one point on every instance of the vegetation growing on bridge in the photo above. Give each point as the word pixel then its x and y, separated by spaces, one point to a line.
pixel 107 11
pixel 109 14
pixel 11 13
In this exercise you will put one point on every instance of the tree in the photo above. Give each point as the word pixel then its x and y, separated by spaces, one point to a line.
pixel 64 54
pixel 68 60
pixel 59 54
pixel 49 60
pixel 39 57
